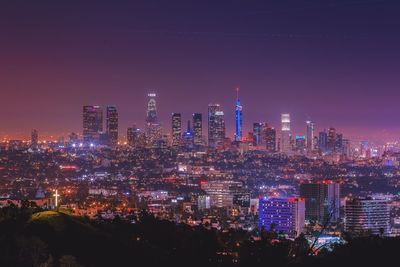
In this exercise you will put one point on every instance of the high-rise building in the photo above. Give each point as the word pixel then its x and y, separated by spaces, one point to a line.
pixel 270 139
pixel 153 127
pixel 34 138
pixel 188 139
pixel 285 134
pixel 112 124
pixel 300 142
pixel 339 143
pixel 282 215
pixel 135 137
pixel 258 133
pixel 238 118
pixel 366 216
pixel 323 142
pixel 176 129
pixel 322 200
pixel 216 125
pixel 92 123
pixel 310 135
pixel 331 139
pixel 198 129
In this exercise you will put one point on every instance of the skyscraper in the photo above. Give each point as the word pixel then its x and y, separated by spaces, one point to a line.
pixel 258 133
pixel 331 139
pixel 367 216
pixel 322 200
pixel 323 141
pixel 238 118
pixel 92 123
pixel 188 139
pixel 270 139
pixel 216 125
pixel 34 138
pixel 285 134
pixel 135 137
pixel 310 135
pixel 112 124
pixel 153 128
pixel 282 214
pixel 176 129
pixel 198 129
pixel 300 142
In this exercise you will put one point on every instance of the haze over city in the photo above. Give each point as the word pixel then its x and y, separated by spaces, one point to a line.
pixel 333 62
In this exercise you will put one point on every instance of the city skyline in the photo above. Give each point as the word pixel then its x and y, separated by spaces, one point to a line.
pixel 300 128
pixel 337 67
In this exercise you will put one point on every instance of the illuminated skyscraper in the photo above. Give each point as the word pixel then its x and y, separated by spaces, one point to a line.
pixel 34 138
pixel 258 133
pixel 176 129
pixel 198 129
pixel 92 123
pixel 238 118
pixel 331 139
pixel 151 114
pixel 300 143
pixel 216 125
pixel 285 134
pixel 270 139
pixel 323 141
pixel 153 128
pixel 135 137
pixel 112 124
pixel 282 214
pixel 310 135
pixel 188 137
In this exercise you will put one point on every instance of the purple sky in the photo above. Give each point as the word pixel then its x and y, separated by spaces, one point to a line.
pixel 336 62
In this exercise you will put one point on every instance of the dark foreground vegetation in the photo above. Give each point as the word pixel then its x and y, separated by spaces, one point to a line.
pixel 30 237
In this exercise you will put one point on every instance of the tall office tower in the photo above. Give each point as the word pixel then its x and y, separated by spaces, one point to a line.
pixel 322 201
pixel 339 143
pixel 331 139
pixel 132 135
pixel 364 148
pixel 34 138
pixel 176 129
pixel 198 129
pixel 216 125
pixel 346 148
pixel 112 124
pixel 282 214
pixel 188 139
pixel 92 123
pixel 285 134
pixel 153 128
pixel 310 135
pixel 257 133
pixel 367 216
pixel 270 139
pixel 238 118
pixel 323 141
pixel 300 142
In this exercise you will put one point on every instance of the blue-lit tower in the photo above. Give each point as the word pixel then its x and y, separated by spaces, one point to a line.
pixel 239 122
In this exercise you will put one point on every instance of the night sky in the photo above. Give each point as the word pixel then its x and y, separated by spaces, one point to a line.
pixel 335 62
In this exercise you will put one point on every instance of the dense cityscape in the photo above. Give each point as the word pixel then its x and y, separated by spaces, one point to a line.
pixel 317 186
pixel 221 133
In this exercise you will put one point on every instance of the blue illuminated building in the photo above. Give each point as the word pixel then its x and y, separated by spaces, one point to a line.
pixel 284 215
pixel 239 122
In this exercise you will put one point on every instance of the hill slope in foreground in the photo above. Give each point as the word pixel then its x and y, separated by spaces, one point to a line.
pixel 51 238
